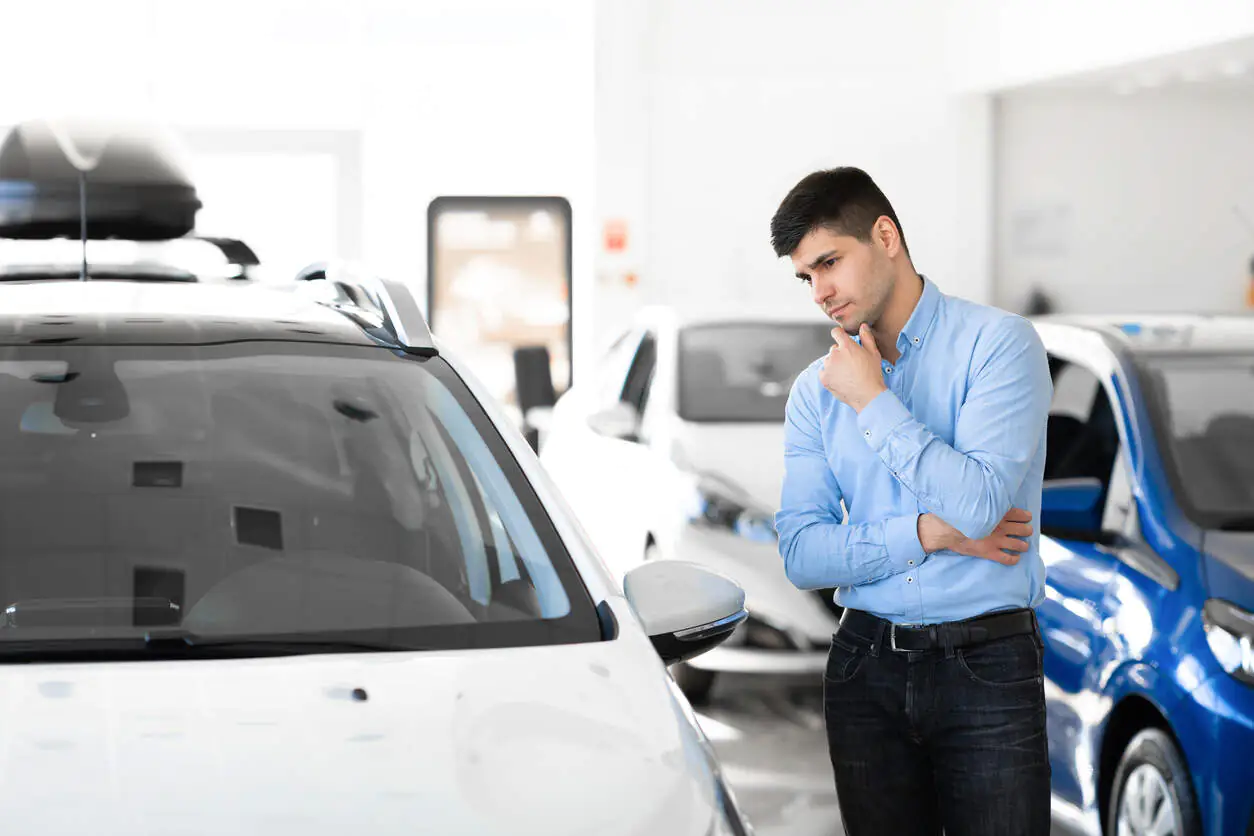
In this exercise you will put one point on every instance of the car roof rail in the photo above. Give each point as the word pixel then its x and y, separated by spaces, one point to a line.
pixel 385 309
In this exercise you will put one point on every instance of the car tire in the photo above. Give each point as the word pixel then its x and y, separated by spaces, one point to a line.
pixel 694 682
pixel 1152 781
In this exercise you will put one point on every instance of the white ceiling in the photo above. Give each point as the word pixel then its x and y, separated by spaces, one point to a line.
pixel 1227 66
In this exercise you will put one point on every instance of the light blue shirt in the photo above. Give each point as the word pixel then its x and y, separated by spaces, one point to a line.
pixel 960 433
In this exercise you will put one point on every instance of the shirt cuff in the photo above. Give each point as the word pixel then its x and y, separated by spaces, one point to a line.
pixel 901 539
pixel 880 417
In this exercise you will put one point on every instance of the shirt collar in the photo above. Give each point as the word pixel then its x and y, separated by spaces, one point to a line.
pixel 920 321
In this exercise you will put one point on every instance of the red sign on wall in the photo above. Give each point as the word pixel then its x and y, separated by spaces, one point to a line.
pixel 615 236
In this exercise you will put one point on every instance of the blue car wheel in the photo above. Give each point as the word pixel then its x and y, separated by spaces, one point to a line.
pixel 1153 794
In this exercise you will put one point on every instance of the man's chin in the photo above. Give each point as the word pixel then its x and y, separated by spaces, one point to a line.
pixel 849 326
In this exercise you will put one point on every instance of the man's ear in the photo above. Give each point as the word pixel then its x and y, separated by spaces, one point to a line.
pixel 887 236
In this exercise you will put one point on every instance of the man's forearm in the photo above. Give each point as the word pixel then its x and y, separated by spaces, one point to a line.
pixel 819 553
pixel 937 535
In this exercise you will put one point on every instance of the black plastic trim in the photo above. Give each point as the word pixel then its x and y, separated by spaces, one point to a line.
pixel 609 623
pixel 674 649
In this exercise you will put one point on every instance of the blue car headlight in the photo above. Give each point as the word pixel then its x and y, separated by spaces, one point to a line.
pixel 1230 634
pixel 722 505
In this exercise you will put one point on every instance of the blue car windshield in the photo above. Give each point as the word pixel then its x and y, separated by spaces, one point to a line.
pixel 1203 409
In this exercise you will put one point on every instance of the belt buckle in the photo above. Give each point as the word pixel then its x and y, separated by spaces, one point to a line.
pixel 892 638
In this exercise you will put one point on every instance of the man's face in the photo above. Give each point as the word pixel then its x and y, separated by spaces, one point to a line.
pixel 850 280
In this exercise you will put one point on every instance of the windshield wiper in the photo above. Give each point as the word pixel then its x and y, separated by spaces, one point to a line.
pixel 176 644
pixel 281 645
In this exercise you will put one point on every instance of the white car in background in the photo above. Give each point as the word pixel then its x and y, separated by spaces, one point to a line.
pixel 672 449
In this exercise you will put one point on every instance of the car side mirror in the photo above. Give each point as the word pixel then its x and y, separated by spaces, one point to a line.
pixel 1071 509
pixel 686 609
pixel 620 421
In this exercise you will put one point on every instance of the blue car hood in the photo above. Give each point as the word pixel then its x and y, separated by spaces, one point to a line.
pixel 1230 566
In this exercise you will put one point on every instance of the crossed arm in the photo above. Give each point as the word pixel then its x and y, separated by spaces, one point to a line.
pixel 966 488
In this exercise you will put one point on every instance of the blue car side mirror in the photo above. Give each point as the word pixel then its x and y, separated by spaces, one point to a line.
pixel 1071 508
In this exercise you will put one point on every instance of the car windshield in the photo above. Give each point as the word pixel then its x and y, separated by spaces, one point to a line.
pixel 1203 407
pixel 258 496
pixel 743 371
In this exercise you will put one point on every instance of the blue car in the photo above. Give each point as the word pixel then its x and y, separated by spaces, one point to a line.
pixel 1147 528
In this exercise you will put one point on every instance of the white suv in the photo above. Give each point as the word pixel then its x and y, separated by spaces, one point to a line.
pixel 272 562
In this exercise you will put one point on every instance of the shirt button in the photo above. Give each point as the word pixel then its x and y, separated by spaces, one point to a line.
pixel 867 433
pixel 909 580
pixel 888 369
pixel 916 340
pixel 911 562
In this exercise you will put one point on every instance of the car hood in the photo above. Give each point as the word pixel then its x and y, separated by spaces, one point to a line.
pixel 751 455
pixel 1230 566
pixel 569 739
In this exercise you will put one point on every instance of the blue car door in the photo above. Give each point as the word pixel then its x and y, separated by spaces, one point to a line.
pixel 1083 444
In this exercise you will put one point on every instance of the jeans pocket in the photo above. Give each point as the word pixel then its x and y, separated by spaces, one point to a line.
pixel 1006 663
pixel 844 661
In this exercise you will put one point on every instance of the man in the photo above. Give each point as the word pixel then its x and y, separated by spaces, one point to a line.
pixel 926 421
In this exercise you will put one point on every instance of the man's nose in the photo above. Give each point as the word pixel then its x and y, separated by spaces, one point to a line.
pixel 821 291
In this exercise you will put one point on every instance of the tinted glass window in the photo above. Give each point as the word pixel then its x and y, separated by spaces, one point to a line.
pixel 1203 408
pixel 1082 438
pixel 743 372
pixel 264 490
pixel 639 378
pixel 610 376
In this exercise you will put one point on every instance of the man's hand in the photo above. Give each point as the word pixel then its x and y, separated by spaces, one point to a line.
pixel 1005 545
pixel 852 372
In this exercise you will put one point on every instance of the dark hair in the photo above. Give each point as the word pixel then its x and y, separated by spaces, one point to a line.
pixel 845 200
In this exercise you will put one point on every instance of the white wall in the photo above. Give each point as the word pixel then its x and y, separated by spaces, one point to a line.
pixel 1124 203
pixel 735 101
pixel 446 96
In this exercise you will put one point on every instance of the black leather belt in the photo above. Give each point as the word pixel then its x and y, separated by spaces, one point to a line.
pixel 907 639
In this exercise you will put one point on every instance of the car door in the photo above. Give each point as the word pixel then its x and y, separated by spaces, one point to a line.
pixel 602 468
pixel 1083 442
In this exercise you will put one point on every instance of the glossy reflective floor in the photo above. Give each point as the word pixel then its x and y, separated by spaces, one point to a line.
pixel 770 739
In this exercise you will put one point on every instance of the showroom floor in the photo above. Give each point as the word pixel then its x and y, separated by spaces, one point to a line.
pixel 771 743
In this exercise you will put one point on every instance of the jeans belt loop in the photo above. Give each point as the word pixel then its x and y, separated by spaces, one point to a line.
pixel 879 640
pixel 947 638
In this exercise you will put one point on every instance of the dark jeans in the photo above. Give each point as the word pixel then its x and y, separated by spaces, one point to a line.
pixel 927 741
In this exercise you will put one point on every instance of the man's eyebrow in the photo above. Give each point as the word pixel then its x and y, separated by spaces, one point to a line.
pixel 824 257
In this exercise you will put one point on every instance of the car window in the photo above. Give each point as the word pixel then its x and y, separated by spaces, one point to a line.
pixel 640 375
pixel 744 371
pixel 610 375
pixel 1082 437
pixel 1203 413
pixel 1075 389
pixel 268 489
